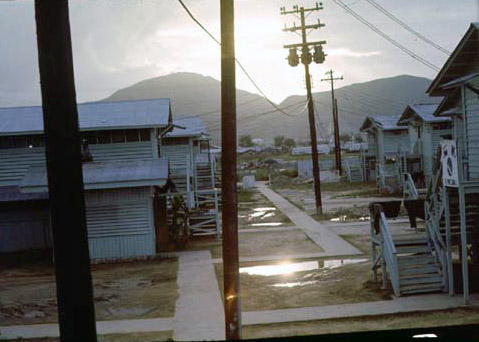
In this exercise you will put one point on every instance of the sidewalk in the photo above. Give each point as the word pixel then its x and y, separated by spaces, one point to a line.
pixel 422 303
pixel 331 243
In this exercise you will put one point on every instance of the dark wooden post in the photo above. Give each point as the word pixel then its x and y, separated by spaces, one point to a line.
pixel 232 293
pixel 76 312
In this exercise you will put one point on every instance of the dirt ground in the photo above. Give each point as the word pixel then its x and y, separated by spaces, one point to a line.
pixel 340 203
pixel 256 211
pixel 253 244
pixel 140 289
pixel 349 283
pixel 137 337
pixel 368 323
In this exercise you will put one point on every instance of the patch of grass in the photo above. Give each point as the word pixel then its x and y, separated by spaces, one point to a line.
pixel 347 186
pixel 246 195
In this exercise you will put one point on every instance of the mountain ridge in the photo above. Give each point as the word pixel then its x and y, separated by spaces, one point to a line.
pixel 193 94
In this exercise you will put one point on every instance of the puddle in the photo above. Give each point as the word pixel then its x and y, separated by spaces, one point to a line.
pixel 289 268
pixel 341 218
pixel 262 213
pixel 286 268
pixel 341 262
pixel 296 284
pixel 267 224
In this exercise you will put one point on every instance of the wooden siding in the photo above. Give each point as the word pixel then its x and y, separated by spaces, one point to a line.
pixel 392 140
pixel 15 162
pixel 23 230
pixel 120 223
pixel 471 107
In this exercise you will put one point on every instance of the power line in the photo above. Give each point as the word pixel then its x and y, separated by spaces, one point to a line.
pixel 237 61
pixel 385 36
pixel 407 27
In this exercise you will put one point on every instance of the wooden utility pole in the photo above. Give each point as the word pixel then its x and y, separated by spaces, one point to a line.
pixel 337 141
pixel 306 59
pixel 76 313
pixel 232 292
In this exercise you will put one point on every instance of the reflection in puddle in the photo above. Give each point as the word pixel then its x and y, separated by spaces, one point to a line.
pixel 341 262
pixel 267 224
pixel 262 213
pixel 341 218
pixel 286 268
pixel 297 284
pixel 289 268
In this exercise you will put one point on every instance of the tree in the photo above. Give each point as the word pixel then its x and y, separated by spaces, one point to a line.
pixel 245 141
pixel 289 143
pixel 278 141
pixel 358 137
pixel 345 137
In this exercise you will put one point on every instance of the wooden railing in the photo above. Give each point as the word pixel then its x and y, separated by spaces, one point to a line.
pixel 388 256
pixel 409 187
pixel 434 213
pixel 381 177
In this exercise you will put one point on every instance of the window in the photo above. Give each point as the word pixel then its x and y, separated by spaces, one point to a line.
pixel 22 141
pixel 118 136
pixel 175 141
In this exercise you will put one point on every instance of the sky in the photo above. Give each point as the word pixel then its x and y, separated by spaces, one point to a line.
pixel 117 43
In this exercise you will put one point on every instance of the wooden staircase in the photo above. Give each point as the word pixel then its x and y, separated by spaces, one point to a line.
pixel 409 260
pixel 417 268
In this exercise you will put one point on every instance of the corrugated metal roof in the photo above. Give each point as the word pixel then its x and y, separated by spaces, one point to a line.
pixel 13 194
pixel 107 175
pixel 463 56
pixel 460 80
pixel 193 126
pixel 423 111
pixel 92 116
pixel 385 122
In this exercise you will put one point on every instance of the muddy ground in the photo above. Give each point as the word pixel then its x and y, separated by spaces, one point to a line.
pixel 140 289
pixel 328 282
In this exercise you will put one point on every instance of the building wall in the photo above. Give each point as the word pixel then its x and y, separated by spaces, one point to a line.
pixel 392 140
pixel 120 223
pixel 15 162
pixel 471 108
pixel 24 229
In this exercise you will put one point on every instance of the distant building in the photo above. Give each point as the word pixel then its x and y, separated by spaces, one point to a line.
pixel 322 149
pixel 425 134
pixel 385 140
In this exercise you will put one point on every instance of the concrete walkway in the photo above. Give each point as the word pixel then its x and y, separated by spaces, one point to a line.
pixel 199 309
pixel 329 242
pixel 399 305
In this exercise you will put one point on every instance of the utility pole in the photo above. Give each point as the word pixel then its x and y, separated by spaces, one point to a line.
pixel 337 142
pixel 76 313
pixel 232 293
pixel 306 58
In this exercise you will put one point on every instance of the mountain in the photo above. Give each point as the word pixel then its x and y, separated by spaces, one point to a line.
pixel 193 94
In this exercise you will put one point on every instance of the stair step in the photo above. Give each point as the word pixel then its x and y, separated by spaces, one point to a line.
pixel 424 279
pixel 422 288
pixel 405 261
pixel 412 249
pixel 410 242
pixel 418 269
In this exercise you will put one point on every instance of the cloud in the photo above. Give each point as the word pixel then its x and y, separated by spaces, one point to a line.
pixel 345 52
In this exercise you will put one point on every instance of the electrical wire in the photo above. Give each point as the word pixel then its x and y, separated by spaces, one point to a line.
pixel 385 36
pixel 407 27
pixel 237 61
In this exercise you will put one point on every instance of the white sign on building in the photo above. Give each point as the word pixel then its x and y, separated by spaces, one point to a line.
pixel 450 175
